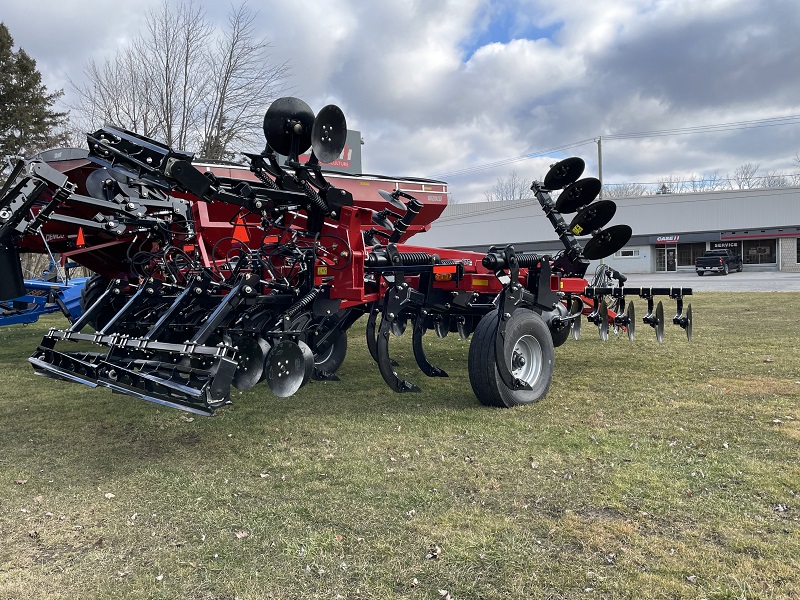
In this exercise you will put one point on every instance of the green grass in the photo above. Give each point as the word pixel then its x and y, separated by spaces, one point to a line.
pixel 648 471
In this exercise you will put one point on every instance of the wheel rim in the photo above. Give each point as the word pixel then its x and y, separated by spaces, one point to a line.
pixel 526 359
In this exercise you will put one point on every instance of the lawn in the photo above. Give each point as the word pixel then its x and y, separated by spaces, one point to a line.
pixel 648 471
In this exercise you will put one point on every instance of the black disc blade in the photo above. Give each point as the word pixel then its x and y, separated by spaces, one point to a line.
pixel 398 326
pixel 288 119
pixel 689 322
pixel 563 173
pixel 441 327
pixel 607 242
pixel 660 322
pixel 391 199
pixel 631 326
pixel 329 133
pixel 288 368
pixel 381 220
pixel 251 354
pixel 593 217
pixel 577 194
pixel 99 184
pixel 602 312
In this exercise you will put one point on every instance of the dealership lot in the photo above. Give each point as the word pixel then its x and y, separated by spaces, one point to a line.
pixel 753 281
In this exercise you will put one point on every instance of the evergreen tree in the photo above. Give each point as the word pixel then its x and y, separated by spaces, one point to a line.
pixel 28 121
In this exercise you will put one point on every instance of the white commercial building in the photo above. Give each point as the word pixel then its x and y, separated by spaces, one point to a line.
pixel 669 230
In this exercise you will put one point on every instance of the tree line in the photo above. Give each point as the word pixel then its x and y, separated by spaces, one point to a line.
pixel 514 187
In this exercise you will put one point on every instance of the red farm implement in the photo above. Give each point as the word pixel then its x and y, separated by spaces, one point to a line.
pixel 212 276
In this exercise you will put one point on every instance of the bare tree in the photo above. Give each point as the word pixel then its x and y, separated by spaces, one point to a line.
pixel 775 179
pixel 625 190
pixel 184 82
pixel 745 176
pixel 512 187
pixel 176 41
pixel 241 78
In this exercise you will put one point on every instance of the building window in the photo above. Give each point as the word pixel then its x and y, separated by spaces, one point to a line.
pixel 688 252
pixel 627 253
pixel 759 252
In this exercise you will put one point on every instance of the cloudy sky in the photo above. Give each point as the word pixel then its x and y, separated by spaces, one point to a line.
pixel 464 89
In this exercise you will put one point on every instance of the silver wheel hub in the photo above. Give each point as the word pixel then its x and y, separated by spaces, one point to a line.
pixel 526 359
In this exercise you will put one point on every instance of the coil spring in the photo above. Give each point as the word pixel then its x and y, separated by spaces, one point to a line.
pixel 412 259
pixel 528 259
pixel 302 303
pixel 315 198
pixel 265 180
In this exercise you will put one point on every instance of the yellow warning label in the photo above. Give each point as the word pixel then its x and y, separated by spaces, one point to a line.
pixel 577 229
pixel 322 270
pixel 480 282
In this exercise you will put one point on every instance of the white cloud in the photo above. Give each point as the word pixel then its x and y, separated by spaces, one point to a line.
pixel 438 87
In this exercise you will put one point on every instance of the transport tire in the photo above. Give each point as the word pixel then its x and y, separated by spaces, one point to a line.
pixel 700 273
pixel 725 269
pixel 529 353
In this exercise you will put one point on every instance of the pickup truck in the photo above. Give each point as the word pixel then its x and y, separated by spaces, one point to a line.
pixel 720 261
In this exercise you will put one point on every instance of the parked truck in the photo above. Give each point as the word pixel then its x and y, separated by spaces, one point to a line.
pixel 718 261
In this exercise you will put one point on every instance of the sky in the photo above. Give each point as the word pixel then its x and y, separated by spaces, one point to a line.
pixel 468 90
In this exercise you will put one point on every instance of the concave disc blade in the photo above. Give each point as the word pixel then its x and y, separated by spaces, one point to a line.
pixel 99 183
pixel 381 220
pixel 441 327
pixel 660 322
pixel 390 198
pixel 576 308
pixel 329 133
pixel 593 217
pixel 602 312
pixel 563 173
pixel 398 326
pixel 251 355
pixel 287 119
pixel 689 322
pixel 607 242
pixel 631 326
pixel 577 194
pixel 288 368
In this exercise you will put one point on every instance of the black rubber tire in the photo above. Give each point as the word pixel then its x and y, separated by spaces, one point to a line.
pixel 525 331
pixel 725 269
pixel 739 269
pixel 331 360
pixel 700 273
pixel 94 288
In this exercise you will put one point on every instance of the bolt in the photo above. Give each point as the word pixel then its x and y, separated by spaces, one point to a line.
pixel 247 289
pixel 506 315
pixel 198 290
pixel 258 204
pixel 130 206
pixel 391 315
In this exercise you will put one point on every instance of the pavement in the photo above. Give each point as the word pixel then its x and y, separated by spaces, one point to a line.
pixel 746 281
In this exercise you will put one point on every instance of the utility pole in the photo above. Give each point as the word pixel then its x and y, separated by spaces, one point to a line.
pixel 599 141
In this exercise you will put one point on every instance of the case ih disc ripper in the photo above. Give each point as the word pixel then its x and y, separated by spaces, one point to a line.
pixel 229 277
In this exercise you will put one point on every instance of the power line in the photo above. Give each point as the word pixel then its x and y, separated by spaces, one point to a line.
pixel 732 126
pixel 506 161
